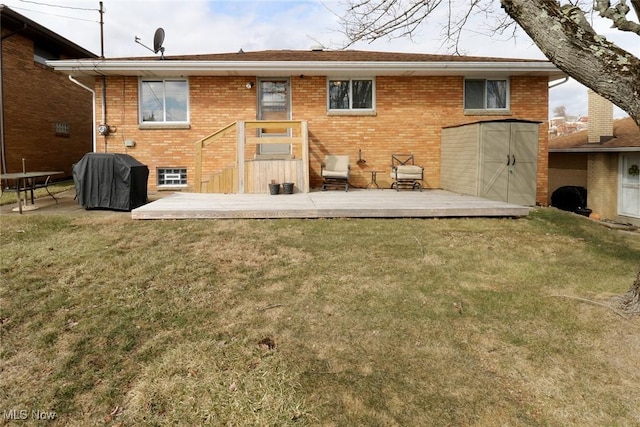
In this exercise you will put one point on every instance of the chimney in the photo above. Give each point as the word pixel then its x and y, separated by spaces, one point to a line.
pixel 600 119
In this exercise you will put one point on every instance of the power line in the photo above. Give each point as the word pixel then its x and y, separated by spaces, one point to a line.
pixel 57 5
pixel 53 14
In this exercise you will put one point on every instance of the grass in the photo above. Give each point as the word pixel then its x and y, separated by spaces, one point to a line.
pixel 8 196
pixel 466 322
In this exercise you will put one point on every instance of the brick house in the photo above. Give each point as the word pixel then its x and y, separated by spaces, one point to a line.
pixel 368 105
pixel 604 159
pixel 45 118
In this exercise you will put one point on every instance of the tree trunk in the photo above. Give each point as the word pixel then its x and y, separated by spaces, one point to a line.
pixel 567 40
pixel 630 302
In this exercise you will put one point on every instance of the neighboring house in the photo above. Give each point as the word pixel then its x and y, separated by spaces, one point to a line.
pixel 368 105
pixel 603 159
pixel 559 126
pixel 45 118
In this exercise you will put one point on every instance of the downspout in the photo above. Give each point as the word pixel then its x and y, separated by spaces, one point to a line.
pixel 93 107
pixel 104 109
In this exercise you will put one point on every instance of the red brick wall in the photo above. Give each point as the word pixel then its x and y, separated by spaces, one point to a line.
pixel 410 112
pixel 35 98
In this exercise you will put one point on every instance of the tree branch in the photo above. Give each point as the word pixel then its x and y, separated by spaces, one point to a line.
pixel 370 20
pixel 562 33
pixel 566 38
pixel 636 7
pixel 618 13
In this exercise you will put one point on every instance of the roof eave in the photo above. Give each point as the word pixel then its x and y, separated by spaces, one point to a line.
pixel 595 150
pixel 71 48
pixel 281 68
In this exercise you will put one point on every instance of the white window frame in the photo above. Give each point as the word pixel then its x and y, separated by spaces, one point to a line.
pixel 163 122
pixel 485 109
pixel 351 110
pixel 173 169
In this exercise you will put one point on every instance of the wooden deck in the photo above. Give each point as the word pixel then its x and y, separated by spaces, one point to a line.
pixel 327 204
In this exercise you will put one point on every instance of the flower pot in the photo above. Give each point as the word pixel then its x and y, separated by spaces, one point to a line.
pixel 287 187
pixel 274 189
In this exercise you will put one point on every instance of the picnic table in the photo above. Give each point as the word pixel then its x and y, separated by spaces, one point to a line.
pixel 28 181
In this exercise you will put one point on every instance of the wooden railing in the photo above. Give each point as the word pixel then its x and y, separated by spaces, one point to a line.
pixel 237 177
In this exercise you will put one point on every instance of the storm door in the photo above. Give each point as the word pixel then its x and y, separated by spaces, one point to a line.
pixel 274 103
pixel 629 200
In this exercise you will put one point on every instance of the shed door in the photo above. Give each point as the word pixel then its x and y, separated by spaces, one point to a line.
pixel 523 167
pixel 509 162
pixel 629 201
pixel 494 149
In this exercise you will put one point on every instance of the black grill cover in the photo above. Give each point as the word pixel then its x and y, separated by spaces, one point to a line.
pixel 110 181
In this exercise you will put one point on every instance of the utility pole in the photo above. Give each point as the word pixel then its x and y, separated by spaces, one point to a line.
pixel 101 31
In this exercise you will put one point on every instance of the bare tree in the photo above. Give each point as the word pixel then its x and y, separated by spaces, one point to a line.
pixel 560 29
pixel 560 111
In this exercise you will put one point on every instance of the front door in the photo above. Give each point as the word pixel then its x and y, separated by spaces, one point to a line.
pixel 629 200
pixel 274 103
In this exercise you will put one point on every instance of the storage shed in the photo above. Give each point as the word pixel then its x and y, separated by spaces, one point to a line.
pixel 496 160
pixel 110 181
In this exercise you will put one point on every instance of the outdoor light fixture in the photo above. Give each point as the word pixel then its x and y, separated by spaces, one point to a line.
pixel 249 85
pixel 360 159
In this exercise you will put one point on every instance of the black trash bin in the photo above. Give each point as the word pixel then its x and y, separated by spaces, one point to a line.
pixel 110 181
pixel 571 198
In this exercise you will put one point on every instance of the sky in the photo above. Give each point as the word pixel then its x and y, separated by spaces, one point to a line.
pixel 218 26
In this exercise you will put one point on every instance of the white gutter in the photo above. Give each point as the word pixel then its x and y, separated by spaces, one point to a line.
pixel 595 150
pixel 93 106
pixel 189 67
pixel 566 79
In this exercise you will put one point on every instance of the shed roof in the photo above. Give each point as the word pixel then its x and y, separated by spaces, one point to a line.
pixel 626 137
pixel 281 63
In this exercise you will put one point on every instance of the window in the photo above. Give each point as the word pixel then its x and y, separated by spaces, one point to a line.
pixel 174 177
pixel 351 94
pixel 480 94
pixel 164 101
pixel 62 129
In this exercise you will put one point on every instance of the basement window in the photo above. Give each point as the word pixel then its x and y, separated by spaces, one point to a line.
pixel 172 177
pixel 62 129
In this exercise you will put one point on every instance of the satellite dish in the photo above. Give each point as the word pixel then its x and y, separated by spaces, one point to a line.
pixel 158 39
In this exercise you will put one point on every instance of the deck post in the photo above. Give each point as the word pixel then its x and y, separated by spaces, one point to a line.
pixel 240 144
pixel 198 175
pixel 304 134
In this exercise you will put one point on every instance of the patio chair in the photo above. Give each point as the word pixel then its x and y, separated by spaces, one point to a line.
pixel 335 172
pixel 405 174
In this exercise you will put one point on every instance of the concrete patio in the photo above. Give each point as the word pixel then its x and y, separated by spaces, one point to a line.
pixel 328 204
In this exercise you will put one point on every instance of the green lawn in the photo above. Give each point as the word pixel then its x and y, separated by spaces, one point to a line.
pixel 345 322
pixel 8 196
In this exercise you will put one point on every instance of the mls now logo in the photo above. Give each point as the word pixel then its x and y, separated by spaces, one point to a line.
pixel 23 414
pixel 15 414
